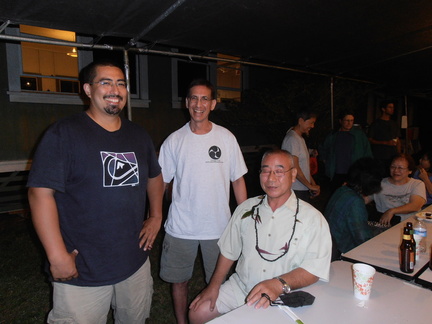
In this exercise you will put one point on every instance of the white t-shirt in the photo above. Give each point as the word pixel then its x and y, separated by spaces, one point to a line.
pixel 296 145
pixel 202 166
pixel 392 196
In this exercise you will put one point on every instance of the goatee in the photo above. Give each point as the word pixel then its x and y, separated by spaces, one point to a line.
pixel 112 110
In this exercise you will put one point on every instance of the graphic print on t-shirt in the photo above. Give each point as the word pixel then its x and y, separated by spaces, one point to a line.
pixel 215 152
pixel 399 199
pixel 120 169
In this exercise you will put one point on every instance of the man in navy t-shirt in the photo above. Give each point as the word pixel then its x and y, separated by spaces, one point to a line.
pixel 87 193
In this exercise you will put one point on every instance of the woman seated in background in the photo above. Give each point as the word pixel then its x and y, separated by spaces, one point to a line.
pixel 424 174
pixel 400 195
pixel 346 211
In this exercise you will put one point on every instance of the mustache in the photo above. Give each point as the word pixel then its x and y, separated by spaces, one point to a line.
pixel 113 96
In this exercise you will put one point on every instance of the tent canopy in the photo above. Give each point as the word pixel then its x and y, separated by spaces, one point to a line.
pixel 386 41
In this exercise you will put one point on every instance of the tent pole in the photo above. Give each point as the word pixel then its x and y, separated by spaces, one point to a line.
pixel 5 24
pixel 156 22
pixel 127 75
pixel 171 54
pixel 332 102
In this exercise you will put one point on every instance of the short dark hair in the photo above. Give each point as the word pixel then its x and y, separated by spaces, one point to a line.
pixel 345 112
pixel 88 73
pixel 385 103
pixel 364 176
pixel 408 158
pixel 202 82
pixel 305 114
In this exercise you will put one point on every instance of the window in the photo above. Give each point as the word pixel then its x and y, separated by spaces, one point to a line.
pixel 229 79
pixel 48 68
pixel 45 73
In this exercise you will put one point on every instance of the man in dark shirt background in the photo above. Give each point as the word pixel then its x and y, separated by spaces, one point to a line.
pixel 342 148
pixel 384 136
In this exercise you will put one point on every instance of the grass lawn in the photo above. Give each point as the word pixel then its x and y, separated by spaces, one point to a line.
pixel 25 291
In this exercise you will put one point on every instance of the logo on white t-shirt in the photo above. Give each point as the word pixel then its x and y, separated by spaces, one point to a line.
pixel 215 152
pixel 119 169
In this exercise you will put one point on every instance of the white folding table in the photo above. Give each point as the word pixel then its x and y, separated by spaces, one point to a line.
pixel 392 301
pixel 382 252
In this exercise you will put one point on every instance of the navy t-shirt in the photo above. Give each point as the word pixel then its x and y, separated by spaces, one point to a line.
pixel 383 130
pixel 100 181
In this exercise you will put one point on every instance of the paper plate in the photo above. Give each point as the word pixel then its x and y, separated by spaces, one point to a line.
pixel 426 216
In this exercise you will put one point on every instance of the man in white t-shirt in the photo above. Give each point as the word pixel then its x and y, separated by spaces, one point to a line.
pixel 203 159
pixel 304 186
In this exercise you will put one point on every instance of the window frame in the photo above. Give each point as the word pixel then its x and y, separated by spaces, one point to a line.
pixel 14 68
pixel 242 70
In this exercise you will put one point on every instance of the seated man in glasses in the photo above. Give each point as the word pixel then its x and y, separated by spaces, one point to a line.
pixel 281 243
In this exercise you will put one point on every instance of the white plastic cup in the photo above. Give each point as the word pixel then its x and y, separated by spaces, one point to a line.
pixel 363 275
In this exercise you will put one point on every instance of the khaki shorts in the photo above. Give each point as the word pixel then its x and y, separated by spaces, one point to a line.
pixel 230 297
pixel 130 300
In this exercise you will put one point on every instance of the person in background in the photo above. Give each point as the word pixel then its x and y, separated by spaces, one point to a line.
pixel 342 148
pixel 346 211
pixel 424 174
pixel 313 161
pixel 384 136
pixel 400 195
pixel 276 232
pixel 203 159
pixel 304 185
pixel 87 192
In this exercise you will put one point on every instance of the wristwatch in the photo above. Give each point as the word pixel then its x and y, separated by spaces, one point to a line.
pixel 285 287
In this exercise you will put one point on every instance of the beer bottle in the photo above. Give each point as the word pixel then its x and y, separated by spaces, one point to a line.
pixel 411 230
pixel 406 255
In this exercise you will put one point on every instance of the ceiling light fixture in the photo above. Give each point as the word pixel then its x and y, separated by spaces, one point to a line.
pixel 73 53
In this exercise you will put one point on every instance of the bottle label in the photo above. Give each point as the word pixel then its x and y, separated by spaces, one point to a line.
pixel 407 257
pixel 420 231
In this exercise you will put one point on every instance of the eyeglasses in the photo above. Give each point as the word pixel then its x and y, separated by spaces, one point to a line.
pixel 278 173
pixel 204 100
pixel 108 84
pixel 399 168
